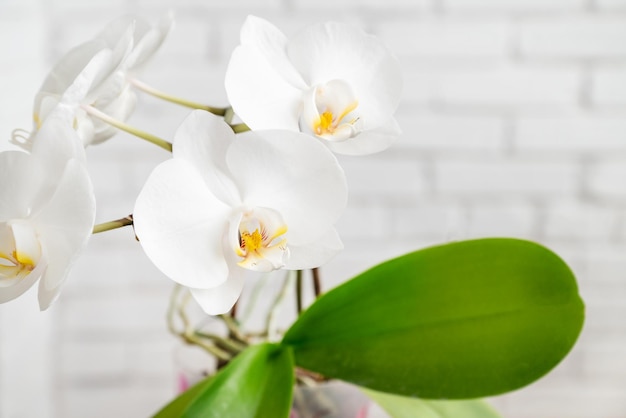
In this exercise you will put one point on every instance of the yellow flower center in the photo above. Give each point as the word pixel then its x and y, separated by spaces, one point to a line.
pixel 260 240
pixel 327 123
pixel 251 242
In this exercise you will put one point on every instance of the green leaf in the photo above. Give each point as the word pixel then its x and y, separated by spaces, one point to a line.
pixel 462 320
pixel 403 407
pixel 258 383
pixel 178 406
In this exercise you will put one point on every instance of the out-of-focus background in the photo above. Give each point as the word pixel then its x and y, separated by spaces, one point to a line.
pixel 514 119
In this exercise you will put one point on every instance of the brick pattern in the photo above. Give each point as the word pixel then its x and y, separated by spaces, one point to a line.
pixel 514 125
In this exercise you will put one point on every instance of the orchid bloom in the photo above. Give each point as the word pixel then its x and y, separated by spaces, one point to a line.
pixel 228 203
pixel 105 64
pixel 332 81
pixel 47 211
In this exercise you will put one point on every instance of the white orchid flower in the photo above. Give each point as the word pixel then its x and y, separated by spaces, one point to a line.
pixel 103 67
pixel 47 211
pixel 228 203
pixel 332 81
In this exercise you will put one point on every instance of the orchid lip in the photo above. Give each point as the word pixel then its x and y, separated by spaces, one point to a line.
pixel 260 239
pixel 329 111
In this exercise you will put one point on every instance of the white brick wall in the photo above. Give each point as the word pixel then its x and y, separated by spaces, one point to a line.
pixel 597 37
pixel 514 120
pixel 609 86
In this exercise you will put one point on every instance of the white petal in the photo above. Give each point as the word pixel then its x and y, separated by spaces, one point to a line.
pixel 259 95
pixel 335 51
pixel 181 225
pixel 65 223
pixel 368 142
pixel 98 67
pixel 148 41
pixel 119 108
pixel 46 296
pixel 56 142
pixel 271 43
pixel 118 35
pixel 20 179
pixel 86 66
pixel 27 247
pixel 316 253
pixel 293 174
pixel 203 140
pixel 262 85
pixel 87 59
pixel 220 299
pixel 7 242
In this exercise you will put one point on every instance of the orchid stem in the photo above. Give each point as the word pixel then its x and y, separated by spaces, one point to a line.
pixel 233 328
pixel 226 343
pixel 127 128
pixel 219 111
pixel 211 349
pixel 239 128
pixel 189 335
pixel 233 310
pixel 118 223
pixel 171 309
pixel 229 114
pixel 299 291
pixel 317 282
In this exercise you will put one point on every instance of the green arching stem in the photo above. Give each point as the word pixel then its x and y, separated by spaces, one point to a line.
pixel 211 349
pixel 219 111
pixel 229 114
pixel 171 309
pixel 226 343
pixel 236 127
pixel 118 223
pixel 239 128
pixel 188 334
pixel 127 128
pixel 233 328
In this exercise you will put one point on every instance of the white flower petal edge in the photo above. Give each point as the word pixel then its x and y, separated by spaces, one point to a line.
pixel 64 224
pixel 175 217
pixel 220 299
pixel 52 214
pixel 96 74
pixel 147 38
pixel 240 204
pixel 268 97
pixel 332 81
pixel 83 76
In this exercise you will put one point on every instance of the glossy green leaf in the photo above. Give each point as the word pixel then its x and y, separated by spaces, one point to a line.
pixel 462 320
pixel 178 406
pixel 258 383
pixel 404 407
